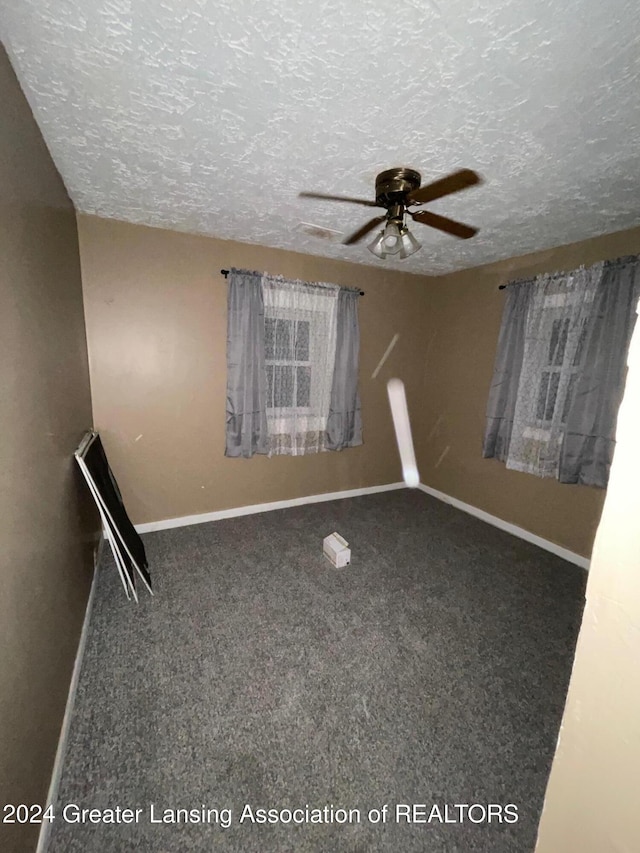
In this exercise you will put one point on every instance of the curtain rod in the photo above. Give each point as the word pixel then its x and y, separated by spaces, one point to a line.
pixel 526 280
pixel 565 273
pixel 550 276
pixel 225 273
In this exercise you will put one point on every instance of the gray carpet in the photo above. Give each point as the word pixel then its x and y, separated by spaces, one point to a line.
pixel 431 671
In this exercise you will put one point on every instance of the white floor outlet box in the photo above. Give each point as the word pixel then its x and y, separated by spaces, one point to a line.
pixel 336 550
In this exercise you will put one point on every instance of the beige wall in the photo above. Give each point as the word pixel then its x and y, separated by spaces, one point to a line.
pixel 156 320
pixel 465 310
pixel 155 307
pixel 594 788
pixel 46 523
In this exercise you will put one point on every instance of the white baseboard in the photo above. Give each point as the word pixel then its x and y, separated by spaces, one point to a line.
pixel 558 550
pixel 234 512
pixel 54 785
pixel 202 518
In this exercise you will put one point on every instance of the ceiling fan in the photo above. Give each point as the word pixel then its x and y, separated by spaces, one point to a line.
pixel 398 190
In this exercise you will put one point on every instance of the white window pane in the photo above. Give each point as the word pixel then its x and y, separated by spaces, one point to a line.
pixel 558 342
pixel 270 337
pixel 283 386
pixel 303 389
pixel 269 386
pixel 302 340
pixel 284 340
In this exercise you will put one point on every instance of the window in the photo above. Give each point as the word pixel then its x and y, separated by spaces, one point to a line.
pixel 300 343
pixel 558 366
pixel 559 371
pixel 553 355
pixel 288 361
pixel 292 366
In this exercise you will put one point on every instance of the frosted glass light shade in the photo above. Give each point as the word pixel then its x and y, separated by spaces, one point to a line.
pixel 376 246
pixel 409 244
pixel 391 239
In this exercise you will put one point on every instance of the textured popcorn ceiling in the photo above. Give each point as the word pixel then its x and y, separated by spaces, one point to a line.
pixel 210 117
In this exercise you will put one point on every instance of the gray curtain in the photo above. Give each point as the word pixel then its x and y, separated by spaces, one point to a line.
pixel 246 427
pixel 344 424
pixel 589 439
pixel 506 373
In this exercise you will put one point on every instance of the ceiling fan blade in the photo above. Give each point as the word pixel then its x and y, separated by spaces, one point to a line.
pixel 362 232
pixel 453 183
pixel 339 198
pixel 458 229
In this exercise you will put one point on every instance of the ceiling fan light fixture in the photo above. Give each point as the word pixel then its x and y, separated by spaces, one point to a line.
pixel 393 240
pixel 388 241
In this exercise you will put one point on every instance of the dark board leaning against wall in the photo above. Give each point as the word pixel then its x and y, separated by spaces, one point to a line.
pixel 126 544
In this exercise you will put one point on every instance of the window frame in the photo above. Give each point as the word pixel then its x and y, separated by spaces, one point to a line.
pixel 280 314
pixel 555 309
pixel 282 417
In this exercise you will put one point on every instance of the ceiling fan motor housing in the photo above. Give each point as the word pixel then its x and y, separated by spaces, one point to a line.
pixel 393 185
